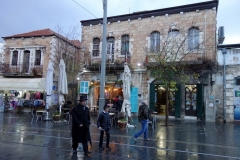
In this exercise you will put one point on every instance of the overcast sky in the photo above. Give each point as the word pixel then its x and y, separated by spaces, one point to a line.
pixel 20 16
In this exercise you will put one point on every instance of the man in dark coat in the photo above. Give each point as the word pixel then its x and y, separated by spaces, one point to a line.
pixel 80 126
pixel 104 124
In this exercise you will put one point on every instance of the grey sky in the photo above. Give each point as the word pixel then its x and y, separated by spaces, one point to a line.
pixel 20 16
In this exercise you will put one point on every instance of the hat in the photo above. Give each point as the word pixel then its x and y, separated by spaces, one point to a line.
pixel 83 98
pixel 105 106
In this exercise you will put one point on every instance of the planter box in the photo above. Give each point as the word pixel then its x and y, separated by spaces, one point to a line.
pixel 122 125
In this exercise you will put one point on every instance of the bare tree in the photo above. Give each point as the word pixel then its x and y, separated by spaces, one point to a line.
pixel 66 46
pixel 176 59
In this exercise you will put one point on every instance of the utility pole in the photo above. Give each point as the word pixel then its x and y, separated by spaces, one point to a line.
pixel 224 52
pixel 103 63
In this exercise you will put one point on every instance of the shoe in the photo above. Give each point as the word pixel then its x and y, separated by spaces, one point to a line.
pixel 147 139
pixel 87 153
pixel 135 139
pixel 108 148
pixel 74 151
pixel 101 148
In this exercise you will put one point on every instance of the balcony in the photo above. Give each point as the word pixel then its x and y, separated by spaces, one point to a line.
pixel 114 65
pixel 21 70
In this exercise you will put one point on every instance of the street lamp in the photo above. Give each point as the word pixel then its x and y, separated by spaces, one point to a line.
pixel 224 52
pixel 103 63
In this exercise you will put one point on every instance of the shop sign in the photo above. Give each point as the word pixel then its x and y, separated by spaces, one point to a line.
pixel 111 77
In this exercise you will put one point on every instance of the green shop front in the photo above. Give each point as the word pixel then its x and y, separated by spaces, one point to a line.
pixel 187 101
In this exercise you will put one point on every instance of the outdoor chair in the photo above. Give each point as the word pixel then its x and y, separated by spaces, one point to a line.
pixel 35 115
pixel 114 116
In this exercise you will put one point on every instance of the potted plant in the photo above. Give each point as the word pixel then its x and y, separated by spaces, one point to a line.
pixel 57 116
pixel 122 123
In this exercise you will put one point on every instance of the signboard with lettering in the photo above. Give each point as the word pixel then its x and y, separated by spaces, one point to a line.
pixel 111 77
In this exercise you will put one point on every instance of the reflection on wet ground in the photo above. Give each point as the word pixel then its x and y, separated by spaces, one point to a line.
pixel 184 139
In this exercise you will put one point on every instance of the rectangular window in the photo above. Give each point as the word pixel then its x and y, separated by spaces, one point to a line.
pixel 14 58
pixel 96 42
pixel 125 45
pixel 84 87
pixel 38 58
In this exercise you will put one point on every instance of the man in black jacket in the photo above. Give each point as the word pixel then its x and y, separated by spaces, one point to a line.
pixel 104 124
pixel 144 115
pixel 80 126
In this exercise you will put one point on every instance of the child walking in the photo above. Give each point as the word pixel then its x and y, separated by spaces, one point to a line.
pixel 104 124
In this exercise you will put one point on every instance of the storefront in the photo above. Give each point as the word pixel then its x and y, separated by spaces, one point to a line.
pixel 22 93
pixel 192 95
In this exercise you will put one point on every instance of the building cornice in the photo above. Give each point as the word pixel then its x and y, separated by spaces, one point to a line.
pixel 159 12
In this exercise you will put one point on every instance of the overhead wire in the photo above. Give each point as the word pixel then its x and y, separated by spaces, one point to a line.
pixel 85 9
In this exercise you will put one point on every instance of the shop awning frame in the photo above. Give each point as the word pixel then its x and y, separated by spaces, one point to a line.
pixel 30 84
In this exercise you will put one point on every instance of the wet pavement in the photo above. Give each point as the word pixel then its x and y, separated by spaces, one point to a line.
pixel 184 139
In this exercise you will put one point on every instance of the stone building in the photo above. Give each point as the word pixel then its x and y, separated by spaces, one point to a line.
pixel 131 36
pixel 226 87
pixel 26 57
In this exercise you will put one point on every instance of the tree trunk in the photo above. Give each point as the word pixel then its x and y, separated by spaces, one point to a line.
pixel 167 103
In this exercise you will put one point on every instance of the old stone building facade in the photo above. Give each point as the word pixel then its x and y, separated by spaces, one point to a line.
pixel 26 57
pixel 128 38
pixel 226 84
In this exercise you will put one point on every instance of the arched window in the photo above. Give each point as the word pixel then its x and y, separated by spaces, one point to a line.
pixel 14 58
pixel 193 38
pixel 96 42
pixel 155 41
pixel 38 57
pixel 173 38
pixel 125 45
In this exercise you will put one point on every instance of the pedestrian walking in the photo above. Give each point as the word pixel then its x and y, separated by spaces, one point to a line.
pixel 104 124
pixel 144 116
pixel 80 126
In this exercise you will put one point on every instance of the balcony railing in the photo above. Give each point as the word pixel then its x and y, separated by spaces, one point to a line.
pixel 23 69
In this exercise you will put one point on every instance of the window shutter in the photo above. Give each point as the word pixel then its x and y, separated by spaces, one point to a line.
pixel 84 87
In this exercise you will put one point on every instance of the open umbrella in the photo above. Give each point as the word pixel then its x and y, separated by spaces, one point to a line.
pixel 126 106
pixel 62 83
pixel 49 84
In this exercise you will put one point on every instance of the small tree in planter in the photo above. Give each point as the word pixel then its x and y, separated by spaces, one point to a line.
pixel 57 116
pixel 122 122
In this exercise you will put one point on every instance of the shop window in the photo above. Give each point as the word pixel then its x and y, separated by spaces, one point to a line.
pixel 193 38
pixel 14 58
pixel 38 57
pixel 96 42
pixel 155 41
pixel 190 100
pixel 125 45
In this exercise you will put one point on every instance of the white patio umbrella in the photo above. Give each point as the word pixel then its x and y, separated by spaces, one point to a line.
pixel 62 83
pixel 126 106
pixel 49 84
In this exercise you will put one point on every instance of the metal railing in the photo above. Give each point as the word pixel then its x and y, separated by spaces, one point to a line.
pixel 20 69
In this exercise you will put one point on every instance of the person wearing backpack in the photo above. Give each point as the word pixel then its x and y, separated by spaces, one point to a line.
pixel 144 116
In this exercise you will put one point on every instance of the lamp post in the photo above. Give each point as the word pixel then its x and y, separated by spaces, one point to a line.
pixel 103 63
pixel 224 52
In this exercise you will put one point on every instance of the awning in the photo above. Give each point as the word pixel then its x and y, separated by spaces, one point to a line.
pixel 31 84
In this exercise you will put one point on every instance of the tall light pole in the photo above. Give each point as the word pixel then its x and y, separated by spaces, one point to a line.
pixel 103 63
pixel 224 52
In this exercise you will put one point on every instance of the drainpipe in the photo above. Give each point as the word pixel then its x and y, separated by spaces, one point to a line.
pixel 224 52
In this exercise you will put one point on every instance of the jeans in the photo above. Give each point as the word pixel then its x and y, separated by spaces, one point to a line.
pixel 143 130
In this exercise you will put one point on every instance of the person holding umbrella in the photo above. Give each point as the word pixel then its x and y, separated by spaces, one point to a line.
pixel 80 126
pixel 104 124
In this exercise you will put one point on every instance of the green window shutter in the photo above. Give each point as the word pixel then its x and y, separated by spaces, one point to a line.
pixel 199 101
pixel 152 97
pixel 178 101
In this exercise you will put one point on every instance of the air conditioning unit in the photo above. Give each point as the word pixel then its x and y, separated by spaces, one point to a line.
pixel 221 36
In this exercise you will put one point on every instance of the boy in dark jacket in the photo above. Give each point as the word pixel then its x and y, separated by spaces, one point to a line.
pixel 104 124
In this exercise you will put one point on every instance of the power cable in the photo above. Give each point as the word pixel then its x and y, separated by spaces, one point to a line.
pixel 85 9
